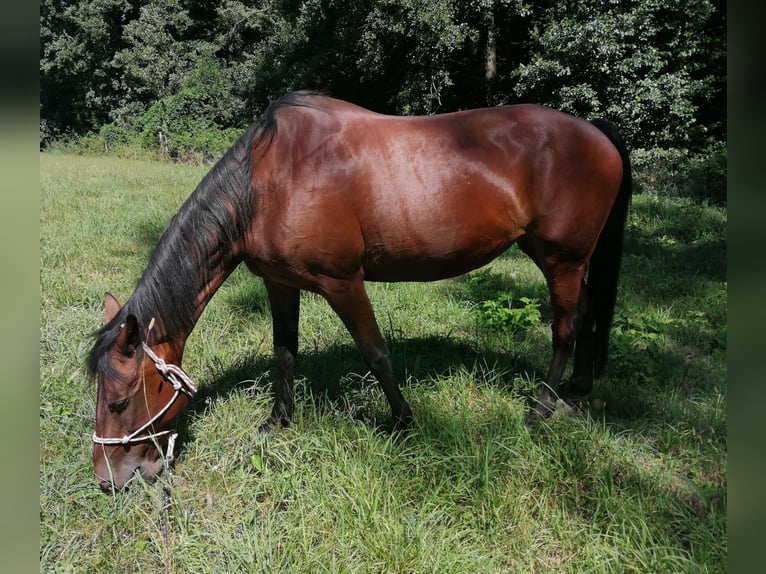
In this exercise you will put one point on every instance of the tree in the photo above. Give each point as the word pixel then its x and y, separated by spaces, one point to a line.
pixel 77 80
pixel 643 64
pixel 656 67
pixel 159 54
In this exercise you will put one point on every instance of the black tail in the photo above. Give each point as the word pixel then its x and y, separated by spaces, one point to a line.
pixel 604 268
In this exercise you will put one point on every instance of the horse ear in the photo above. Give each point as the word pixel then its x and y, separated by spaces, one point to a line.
pixel 129 337
pixel 111 307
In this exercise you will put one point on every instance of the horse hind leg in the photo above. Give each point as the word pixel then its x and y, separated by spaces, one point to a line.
pixel 564 285
pixel 350 302
pixel 285 311
pixel 581 382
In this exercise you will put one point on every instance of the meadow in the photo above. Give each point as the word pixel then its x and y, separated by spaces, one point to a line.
pixel 633 482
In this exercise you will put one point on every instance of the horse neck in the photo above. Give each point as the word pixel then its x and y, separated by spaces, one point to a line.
pixel 172 302
pixel 198 250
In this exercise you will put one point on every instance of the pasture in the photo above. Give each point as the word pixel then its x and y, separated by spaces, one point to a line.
pixel 636 482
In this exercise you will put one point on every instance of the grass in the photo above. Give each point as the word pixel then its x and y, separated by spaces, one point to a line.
pixel 637 484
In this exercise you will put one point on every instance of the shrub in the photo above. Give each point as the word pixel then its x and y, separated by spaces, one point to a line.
pixel 680 173
pixel 505 314
pixel 186 136
pixel 704 175
pixel 114 136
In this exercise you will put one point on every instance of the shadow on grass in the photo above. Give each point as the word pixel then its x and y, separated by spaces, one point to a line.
pixel 335 376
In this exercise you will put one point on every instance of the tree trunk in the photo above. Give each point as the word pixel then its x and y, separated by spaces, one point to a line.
pixel 490 56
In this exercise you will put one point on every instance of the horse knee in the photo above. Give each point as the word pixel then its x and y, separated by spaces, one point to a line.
pixel 379 362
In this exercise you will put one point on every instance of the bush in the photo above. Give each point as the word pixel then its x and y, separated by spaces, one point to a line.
pixel 185 136
pixel 110 139
pixel 114 136
pixel 680 173
pixel 504 314
pixel 704 175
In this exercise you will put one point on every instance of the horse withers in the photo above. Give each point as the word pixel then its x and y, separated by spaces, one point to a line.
pixel 322 195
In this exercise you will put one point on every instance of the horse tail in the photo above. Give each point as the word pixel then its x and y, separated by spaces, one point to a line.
pixel 604 267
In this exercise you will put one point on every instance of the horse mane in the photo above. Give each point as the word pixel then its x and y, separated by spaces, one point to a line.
pixel 204 229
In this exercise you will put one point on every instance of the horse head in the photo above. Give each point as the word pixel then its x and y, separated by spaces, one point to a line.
pixel 140 395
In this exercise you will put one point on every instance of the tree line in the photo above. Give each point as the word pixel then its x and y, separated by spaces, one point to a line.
pixel 200 71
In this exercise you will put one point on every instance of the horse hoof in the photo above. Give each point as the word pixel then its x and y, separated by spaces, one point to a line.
pixel 540 411
pixel 273 423
pixel 596 405
pixel 403 425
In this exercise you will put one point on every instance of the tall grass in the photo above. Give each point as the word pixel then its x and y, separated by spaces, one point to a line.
pixel 634 483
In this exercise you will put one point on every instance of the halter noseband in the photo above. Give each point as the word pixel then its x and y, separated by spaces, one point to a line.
pixel 182 384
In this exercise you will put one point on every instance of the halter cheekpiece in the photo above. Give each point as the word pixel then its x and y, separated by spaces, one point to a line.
pixel 182 384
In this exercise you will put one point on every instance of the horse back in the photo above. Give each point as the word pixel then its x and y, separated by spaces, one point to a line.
pixel 425 197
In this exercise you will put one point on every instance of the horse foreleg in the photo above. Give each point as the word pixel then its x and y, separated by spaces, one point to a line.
pixel 350 301
pixel 285 311
pixel 564 282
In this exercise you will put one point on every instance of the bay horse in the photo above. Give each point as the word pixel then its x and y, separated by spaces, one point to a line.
pixel 322 195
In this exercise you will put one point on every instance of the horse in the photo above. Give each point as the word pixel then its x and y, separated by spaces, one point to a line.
pixel 322 195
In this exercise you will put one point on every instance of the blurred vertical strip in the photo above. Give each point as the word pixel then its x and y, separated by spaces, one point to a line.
pixel 747 285
pixel 19 285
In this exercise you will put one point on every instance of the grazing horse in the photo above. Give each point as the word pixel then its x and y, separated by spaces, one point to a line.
pixel 323 195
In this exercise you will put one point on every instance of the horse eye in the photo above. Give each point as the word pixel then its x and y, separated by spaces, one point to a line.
pixel 118 406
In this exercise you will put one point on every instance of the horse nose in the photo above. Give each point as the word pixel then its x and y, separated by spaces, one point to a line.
pixel 106 487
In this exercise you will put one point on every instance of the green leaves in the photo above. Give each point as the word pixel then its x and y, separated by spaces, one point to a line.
pixel 624 61
pixel 257 462
pixel 501 313
pixel 188 129
pixel 427 34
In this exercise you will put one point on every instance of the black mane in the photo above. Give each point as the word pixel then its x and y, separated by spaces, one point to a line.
pixel 197 241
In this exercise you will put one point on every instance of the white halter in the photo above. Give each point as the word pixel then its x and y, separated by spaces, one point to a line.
pixel 182 384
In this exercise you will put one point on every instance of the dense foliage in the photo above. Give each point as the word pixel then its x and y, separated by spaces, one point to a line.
pixel 191 67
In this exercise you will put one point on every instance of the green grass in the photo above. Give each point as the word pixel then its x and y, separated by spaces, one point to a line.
pixel 636 486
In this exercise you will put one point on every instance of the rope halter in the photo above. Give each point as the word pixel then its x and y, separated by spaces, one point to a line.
pixel 182 384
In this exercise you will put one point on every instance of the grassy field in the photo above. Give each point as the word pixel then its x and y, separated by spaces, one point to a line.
pixel 635 483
